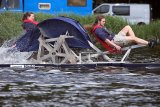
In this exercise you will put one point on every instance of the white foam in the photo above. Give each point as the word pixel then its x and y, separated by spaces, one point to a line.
pixel 13 57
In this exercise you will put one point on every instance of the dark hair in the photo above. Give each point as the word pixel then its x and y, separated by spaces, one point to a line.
pixel 98 18
pixel 27 14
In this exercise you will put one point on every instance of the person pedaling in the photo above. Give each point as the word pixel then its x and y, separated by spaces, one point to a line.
pixel 112 42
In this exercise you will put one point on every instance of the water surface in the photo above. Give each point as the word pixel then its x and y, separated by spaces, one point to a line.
pixel 100 87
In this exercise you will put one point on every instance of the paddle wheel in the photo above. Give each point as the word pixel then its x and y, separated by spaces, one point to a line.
pixel 55 50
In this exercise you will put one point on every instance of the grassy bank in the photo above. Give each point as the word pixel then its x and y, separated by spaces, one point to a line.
pixel 10 25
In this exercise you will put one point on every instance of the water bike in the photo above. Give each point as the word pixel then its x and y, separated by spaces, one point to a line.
pixel 63 42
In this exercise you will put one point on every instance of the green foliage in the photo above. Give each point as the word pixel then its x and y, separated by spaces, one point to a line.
pixel 40 16
pixel 10 24
pixel 147 31
pixel 115 23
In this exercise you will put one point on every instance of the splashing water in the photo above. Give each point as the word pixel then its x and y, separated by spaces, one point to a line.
pixel 8 55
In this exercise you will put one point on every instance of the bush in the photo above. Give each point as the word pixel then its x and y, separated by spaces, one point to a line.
pixel 10 24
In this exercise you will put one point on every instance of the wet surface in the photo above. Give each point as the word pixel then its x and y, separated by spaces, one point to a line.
pixel 100 87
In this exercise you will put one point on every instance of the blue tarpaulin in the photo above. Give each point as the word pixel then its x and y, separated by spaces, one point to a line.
pixel 59 26
pixel 53 28
pixel 29 41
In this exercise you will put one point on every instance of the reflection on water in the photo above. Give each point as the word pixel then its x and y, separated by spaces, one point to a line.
pixel 107 87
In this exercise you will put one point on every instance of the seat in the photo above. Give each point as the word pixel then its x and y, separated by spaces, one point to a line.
pixel 108 48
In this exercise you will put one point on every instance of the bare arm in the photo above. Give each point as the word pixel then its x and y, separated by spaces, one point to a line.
pixel 111 43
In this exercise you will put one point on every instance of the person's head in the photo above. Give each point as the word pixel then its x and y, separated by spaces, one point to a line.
pixel 28 16
pixel 100 19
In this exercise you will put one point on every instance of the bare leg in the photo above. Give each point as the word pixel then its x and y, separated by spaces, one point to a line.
pixel 137 40
pixel 127 30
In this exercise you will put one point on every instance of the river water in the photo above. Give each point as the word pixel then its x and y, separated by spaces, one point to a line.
pixel 107 87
